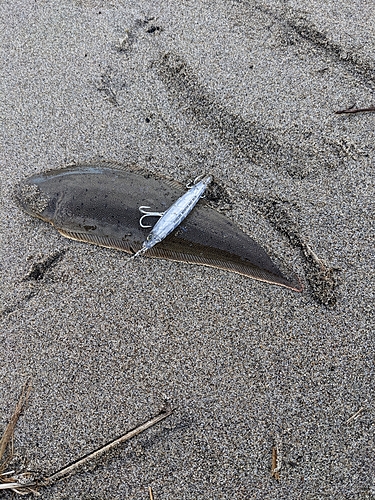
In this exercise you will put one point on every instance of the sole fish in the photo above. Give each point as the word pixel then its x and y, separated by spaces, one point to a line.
pixel 99 203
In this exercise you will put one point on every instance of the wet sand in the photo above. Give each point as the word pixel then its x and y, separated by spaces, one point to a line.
pixel 245 91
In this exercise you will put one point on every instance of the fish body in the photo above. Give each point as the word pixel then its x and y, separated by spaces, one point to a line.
pixel 99 203
pixel 175 214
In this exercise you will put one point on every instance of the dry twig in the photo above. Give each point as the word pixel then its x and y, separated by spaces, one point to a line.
pixel 109 446
pixel 353 417
pixel 276 465
pixel 150 493
pixel 276 458
pixel 7 437
pixel 20 483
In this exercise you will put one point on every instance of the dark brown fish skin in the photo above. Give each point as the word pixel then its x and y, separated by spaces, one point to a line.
pixel 99 203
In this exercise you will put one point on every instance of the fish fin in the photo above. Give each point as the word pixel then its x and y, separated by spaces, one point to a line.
pixel 103 241
pixel 192 253
pixel 199 254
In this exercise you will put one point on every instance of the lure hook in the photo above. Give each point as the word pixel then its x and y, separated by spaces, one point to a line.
pixel 189 185
pixel 148 214
pixel 195 181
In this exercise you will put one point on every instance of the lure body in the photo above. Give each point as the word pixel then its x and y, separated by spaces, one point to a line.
pixel 99 203
pixel 175 214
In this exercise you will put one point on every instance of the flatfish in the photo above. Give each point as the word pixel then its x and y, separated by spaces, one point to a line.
pixel 99 203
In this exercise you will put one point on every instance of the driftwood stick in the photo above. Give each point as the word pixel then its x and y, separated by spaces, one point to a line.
pixel 100 451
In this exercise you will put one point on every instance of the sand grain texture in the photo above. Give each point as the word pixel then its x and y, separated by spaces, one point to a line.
pixel 246 91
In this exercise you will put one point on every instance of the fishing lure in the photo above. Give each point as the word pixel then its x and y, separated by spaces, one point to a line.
pixel 172 218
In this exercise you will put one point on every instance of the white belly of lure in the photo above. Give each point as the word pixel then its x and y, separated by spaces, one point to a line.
pixel 175 214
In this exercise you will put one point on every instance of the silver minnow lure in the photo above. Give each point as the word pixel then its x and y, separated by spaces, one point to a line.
pixel 175 214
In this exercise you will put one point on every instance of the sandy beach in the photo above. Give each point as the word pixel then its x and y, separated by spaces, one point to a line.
pixel 246 91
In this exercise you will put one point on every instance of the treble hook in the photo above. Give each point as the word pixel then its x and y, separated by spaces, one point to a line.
pixel 189 185
pixel 148 214
pixel 196 180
